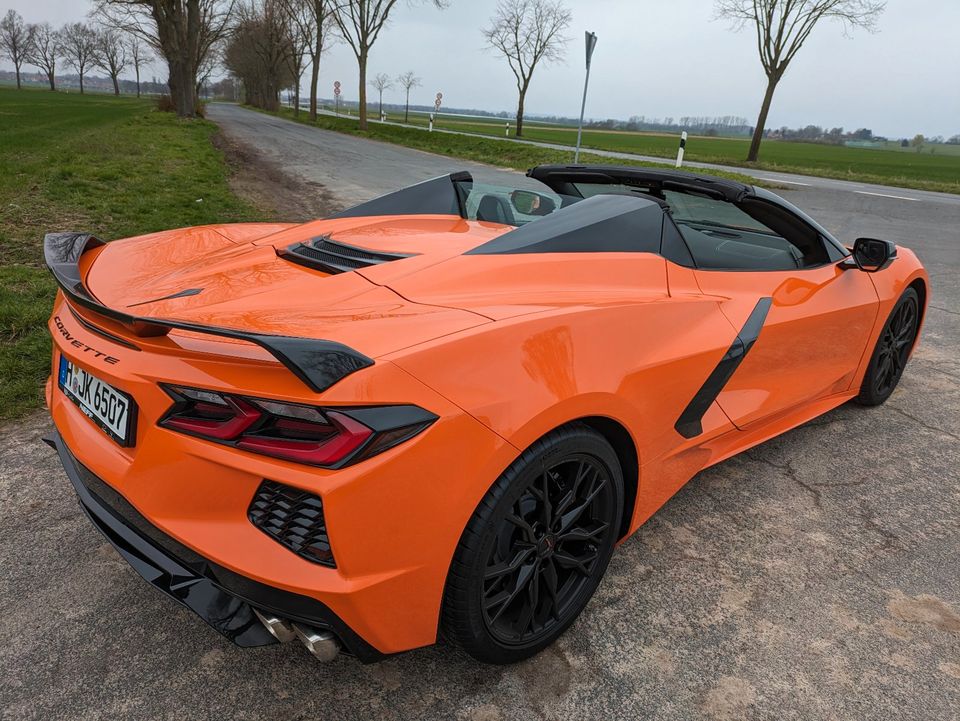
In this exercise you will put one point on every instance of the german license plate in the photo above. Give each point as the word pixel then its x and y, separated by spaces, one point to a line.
pixel 110 409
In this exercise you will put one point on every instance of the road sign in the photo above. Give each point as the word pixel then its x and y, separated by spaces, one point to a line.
pixel 591 39
pixel 336 88
pixel 438 101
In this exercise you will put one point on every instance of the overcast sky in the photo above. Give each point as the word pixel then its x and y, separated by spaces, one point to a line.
pixel 659 59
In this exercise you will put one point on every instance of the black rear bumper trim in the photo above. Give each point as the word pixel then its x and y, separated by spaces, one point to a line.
pixel 222 598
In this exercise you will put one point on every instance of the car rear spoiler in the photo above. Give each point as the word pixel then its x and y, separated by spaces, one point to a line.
pixel 318 363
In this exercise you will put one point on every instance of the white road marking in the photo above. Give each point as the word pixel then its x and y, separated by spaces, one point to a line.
pixel 778 180
pixel 885 195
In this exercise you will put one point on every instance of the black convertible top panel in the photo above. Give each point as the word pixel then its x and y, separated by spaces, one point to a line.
pixel 558 176
pixel 437 196
pixel 601 224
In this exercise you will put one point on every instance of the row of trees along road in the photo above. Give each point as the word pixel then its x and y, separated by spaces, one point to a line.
pixel 79 45
pixel 268 43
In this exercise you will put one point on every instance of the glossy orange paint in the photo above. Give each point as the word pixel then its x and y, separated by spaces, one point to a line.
pixel 502 349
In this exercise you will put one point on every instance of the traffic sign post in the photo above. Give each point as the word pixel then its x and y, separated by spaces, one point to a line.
pixel 591 43
pixel 336 96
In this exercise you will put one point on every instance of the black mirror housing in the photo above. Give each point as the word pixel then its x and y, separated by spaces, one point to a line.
pixel 871 254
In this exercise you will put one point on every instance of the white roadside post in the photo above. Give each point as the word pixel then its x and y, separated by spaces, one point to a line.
pixel 506 131
pixel 436 109
pixel 683 144
pixel 591 40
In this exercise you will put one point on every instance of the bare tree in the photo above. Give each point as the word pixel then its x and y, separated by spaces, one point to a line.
pixel 408 81
pixel 207 67
pixel 381 82
pixel 311 22
pixel 360 23
pixel 110 55
pixel 526 33
pixel 79 44
pixel 184 32
pixel 15 40
pixel 140 55
pixel 782 27
pixel 257 53
pixel 298 20
pixel 44 51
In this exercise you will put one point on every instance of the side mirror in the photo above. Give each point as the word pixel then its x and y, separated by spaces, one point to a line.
pixel 526 202
pixel 871 255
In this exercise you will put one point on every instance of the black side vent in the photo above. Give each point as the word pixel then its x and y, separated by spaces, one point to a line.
pixel 294 519
pixel 331 257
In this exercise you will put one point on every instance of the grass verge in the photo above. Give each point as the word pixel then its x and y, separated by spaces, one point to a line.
pixel 515 156
pixel 110 166
pixel 933 167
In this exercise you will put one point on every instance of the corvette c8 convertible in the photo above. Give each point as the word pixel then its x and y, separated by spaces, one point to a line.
pixel 436 413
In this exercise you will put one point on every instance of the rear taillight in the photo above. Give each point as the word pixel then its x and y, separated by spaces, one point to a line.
pixel 328 437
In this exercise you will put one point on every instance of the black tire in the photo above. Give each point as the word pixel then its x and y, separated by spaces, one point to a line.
pixel 892 350
pixel 526 567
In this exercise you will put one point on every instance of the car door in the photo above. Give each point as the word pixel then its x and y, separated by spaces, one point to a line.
pixel 812 332
pixel 811 340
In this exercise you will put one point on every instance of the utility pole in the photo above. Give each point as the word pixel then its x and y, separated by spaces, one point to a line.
pixel 591 43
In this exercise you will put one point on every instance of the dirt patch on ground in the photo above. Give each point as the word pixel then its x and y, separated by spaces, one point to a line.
pixel 277 193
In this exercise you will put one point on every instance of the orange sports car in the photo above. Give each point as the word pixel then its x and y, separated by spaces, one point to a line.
pixel 436 413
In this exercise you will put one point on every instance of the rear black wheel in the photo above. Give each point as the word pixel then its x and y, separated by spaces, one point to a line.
pixel 536 547
pixel 892 350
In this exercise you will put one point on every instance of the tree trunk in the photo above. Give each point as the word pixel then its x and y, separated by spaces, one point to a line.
pixel 772 81
pixel 52 81
pixel 519 132
pixel 406 109
pixel 314 77
pixel 381 106
pixel 182 91
pixel 18 77
pixel 362 65
pixel 81 82
pixel 296 99
pixel 116 84
pixel 137 69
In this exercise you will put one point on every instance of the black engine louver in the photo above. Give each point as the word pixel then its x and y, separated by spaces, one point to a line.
pixel 332 257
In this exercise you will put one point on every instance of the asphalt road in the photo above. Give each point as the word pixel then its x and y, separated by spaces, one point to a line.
pixel 816 577
pixel 792 179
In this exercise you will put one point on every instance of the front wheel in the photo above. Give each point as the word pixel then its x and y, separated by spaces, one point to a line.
pixel 536 547
pixel 892 350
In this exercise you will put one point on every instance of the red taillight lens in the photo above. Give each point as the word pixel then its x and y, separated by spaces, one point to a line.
pixel 347 436
pixel 293 432
pixel 221 420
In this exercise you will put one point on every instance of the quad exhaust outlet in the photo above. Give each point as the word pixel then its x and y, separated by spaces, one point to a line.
pixel 322 644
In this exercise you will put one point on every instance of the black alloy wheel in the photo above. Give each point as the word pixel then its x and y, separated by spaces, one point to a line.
pixel 892 351
pixel 536 548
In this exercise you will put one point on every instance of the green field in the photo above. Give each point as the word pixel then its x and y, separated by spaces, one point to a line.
pixel 516 156
pixel 937 167
pixel 111 166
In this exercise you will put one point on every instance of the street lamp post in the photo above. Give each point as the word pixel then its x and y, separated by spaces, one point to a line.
pixel 591 40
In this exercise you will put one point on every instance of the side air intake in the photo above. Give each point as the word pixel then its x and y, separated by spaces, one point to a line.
pixel 332 257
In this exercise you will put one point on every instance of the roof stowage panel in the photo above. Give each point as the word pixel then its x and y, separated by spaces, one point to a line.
pixel 437 196
pixel 601 224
